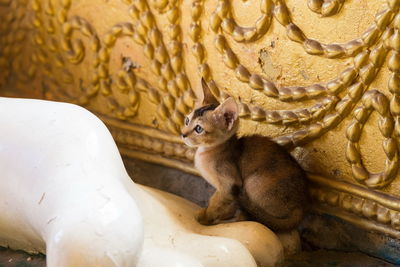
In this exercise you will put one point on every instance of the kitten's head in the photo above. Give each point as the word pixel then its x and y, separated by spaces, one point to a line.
pixel 210 123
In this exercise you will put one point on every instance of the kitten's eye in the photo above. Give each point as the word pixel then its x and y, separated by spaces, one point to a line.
pixel 198 129
pixel 186 121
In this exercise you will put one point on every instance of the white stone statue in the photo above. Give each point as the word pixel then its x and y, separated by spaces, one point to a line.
pixel 64 192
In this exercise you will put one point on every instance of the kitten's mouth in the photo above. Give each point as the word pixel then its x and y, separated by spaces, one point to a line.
pixel 188 142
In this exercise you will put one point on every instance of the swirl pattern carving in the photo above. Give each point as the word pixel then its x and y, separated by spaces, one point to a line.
pixel 136 69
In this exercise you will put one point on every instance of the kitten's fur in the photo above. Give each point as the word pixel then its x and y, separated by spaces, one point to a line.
pixel 252 174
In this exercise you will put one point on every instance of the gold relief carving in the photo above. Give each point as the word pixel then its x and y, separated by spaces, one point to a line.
pixel 12 36
pixel 67 56
pixel 379 212
pixel 373 100
pixel 325 7
pixel 356 79
pixel 174 96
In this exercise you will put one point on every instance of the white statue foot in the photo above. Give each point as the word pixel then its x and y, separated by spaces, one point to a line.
pixel 232 244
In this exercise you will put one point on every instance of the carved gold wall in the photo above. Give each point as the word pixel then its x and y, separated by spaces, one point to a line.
pixel 322 77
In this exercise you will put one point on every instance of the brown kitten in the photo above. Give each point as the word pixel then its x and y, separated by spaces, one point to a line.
pixel 251 173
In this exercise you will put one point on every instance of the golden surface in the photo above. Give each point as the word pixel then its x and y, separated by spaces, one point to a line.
pixel 320 76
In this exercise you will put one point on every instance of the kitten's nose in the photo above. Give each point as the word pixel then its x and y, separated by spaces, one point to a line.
pixel 184 135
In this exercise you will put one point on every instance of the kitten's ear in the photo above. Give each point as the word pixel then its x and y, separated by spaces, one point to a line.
pixel 208 97
pixel 227 113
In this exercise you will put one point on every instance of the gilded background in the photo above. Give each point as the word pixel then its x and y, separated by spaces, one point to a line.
pixel 322 77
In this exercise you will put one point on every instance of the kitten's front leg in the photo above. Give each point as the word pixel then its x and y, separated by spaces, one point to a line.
pixel 222 206
pixel 219 170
